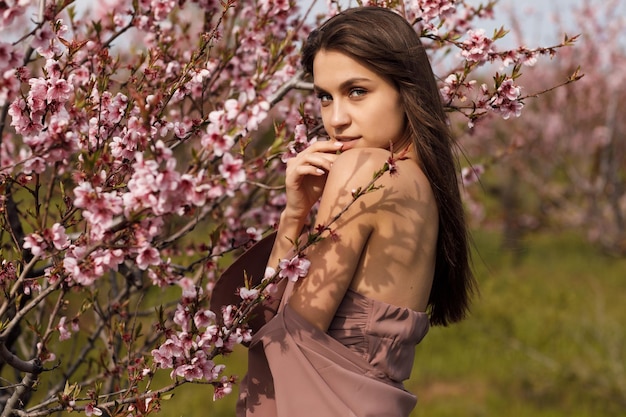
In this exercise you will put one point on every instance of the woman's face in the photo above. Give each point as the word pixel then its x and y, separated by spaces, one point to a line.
pixel 356 103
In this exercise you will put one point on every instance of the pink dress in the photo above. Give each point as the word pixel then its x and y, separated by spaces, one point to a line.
pixel 356 369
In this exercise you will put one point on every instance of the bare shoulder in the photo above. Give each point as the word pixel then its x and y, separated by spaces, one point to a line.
pixel 359 160
pixel 356 168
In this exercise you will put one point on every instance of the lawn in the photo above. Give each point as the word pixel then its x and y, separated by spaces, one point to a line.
pixel 546 337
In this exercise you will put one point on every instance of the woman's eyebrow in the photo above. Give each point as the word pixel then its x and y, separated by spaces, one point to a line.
pixel 345 84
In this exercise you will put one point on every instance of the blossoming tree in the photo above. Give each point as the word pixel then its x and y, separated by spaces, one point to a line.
pixel 142 146
pixel 562 164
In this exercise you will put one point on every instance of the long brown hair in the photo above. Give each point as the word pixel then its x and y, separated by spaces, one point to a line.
pixel 386 43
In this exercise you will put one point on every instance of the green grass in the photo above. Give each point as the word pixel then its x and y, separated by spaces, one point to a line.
pixel 545 338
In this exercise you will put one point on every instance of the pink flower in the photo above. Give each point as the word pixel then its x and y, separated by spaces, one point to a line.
pixel 182 316
pixel 161 8
pixel 59 91
pixel 58 236
pixel 204 318
pixel 231 170
pixel 294 268
pixel 223 388
pixel 90 410
pixel 477 47
pixel 147 256
pixel 430 9
pixel 254 233
pixel 248 294
pixel 8 272
pixel 64 332
pixel 190 290
pixel 506 101
pixel 36 243
pixel 471 175
pixel 509 90
pixel 257 114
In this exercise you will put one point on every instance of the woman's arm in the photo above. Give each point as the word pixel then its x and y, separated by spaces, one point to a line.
pixel 335 259
pixel 304 181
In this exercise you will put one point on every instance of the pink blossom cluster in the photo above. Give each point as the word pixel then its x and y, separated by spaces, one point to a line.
pixel 45 103
pixel 10 10
pixel 189 350
pixel 293 269
pixel 506 100
pixel 429 11
pixel 8 273
pixel 477 47
pixel 52 237
pixel 471 175
pixel 66 329
pixel 11 60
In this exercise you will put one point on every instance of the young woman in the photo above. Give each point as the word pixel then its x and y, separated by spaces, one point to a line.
pixel 344 336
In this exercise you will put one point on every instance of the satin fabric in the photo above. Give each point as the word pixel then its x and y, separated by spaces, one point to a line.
pixel 356 369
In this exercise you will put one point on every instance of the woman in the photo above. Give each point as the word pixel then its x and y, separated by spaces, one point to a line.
pixel 344 337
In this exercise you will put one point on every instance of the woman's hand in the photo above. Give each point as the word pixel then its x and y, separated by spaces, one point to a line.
pixel 306 176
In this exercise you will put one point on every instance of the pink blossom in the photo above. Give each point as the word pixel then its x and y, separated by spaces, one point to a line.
pixel 204 318
pixel 189 372
pixel 79 266
pixel 147 255
pixel 31 286
pixel 431 9
pixel 509 90
pixel 228 314
pixel 216 141
pixel 99 208
pixel 471 175
pixel 190 289
pixel 21 118
pixel 36 243
pixel 210 337
pixel 91 409
pixel 43 37
pixel 231 170
pixel 9 86
pixel 162 8
pixel 236 338
pixel 105 260
pixel 15 9
pixel 233 107
pixel 254 233
pixel 59 90
pixel 44 355
pixel 193 188
pixel 64 332
pixel 58 236
pixel 510 108
pixel 248 294
pixel 477 47
pixel 257 114
pixel 294 268
pixel 506 101
pixel 222 389
pixel 8 273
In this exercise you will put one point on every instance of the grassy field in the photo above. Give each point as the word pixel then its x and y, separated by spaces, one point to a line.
pixel 546 338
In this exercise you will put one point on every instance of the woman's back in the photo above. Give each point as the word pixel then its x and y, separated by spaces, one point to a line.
pixel 383 246
pixel 398 260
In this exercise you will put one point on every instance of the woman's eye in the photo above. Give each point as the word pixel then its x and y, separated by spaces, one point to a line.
pixel 357 92
pixel 324 98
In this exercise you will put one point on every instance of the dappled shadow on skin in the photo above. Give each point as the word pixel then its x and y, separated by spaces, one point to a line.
pixel 381 279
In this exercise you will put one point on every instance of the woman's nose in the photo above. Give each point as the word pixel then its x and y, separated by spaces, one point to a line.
pixel 339 116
